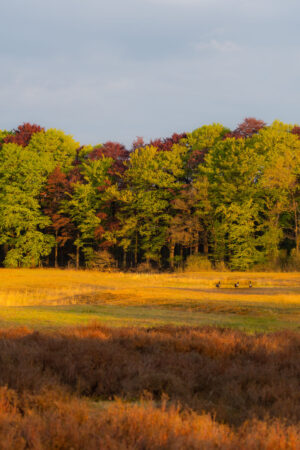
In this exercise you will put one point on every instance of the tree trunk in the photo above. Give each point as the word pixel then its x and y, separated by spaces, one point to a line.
pixel 136 249
pixel 124 259
pixel 205 243
pixel 56 252
pixel 297 237
pixel 172 253
pixel 77 254
pixel 181 256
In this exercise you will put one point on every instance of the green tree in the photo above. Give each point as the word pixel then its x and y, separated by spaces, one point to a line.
pixel 279 182
pixel 22 174
pixel 56 146
pixel 231 169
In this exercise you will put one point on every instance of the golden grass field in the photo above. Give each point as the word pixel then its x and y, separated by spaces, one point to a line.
pixel 53 298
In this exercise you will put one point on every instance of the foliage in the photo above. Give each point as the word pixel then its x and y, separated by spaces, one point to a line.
pixel 22 174
pixel 22 135
pixel 232 195
pixel 59 147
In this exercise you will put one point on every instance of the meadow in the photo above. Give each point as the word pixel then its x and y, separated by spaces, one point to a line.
pixel 50 298
pixel 94 360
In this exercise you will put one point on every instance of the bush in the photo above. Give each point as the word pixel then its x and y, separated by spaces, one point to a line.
pixel 294 261
pixel 101 260
pixel 220 266
pixel 145 267
pixel 197 263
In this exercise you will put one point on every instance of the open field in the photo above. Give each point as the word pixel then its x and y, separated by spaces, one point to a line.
pixel 94 360
pixel 54 298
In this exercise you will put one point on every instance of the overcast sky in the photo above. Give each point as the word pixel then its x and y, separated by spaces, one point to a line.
pixel 116 69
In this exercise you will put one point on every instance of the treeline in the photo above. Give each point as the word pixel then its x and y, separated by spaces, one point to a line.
pixel 210 197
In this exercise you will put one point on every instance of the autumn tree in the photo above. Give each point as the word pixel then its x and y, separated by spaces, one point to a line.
pixel 166 144
pixel 56 190
pixel 185 225
pixel 114 150
pixel 23 134
pixel 83 205
pixel 247 128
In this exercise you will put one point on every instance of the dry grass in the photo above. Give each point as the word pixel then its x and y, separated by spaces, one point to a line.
pixel 53 298
pixel 24 287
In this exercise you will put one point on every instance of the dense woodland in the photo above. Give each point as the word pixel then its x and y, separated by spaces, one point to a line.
pixel 212 197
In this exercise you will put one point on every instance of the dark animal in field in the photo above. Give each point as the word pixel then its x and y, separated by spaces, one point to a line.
pixel 250 284
pixel 236 285
pixel 218 284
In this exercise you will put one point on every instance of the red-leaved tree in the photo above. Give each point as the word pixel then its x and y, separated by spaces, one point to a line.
pixel 247 128
pixel 114 150
pixel 166 144
pixel 22 134
pixel 296 130
pixel 57 189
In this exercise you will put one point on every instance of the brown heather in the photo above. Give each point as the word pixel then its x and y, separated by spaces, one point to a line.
pixel 52 420
pixel 235 390
pixel 235 375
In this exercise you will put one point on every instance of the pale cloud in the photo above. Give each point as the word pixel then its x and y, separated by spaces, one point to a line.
pixel 220 46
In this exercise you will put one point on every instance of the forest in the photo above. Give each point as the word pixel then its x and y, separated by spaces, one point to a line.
pixel 210 198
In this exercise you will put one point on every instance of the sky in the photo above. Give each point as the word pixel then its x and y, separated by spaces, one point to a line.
pixel 118 69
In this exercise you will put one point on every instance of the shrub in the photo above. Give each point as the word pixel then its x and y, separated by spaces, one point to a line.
pixel 54 420
pixel 197 263
pixel 100 260
pixel 145 267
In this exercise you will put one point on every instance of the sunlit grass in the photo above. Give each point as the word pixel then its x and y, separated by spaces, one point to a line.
pixel 61 316
pixel 23 287
pixel 54 298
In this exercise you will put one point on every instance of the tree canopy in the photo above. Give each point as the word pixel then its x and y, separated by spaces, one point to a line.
pixel 231 196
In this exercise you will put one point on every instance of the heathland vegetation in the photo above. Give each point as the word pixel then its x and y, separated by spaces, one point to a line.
pixel 211 197
pixel 178 388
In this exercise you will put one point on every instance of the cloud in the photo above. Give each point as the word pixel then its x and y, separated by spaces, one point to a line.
pixel 220 46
